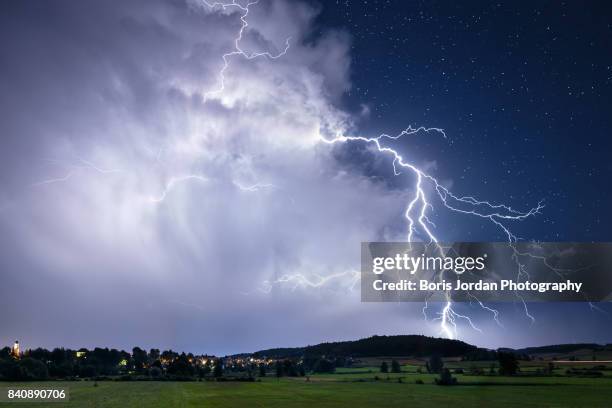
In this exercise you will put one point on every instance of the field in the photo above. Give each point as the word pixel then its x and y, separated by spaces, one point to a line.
pixel 353 387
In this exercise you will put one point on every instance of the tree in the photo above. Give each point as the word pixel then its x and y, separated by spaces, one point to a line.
pixel 62 370
pixel 139 357
pixel 88 371
pixel 5 353
pixel 154 355
pixel 384 367
pixel 262 370
pixel 40 354
pixel 218 369
pixel 508 364
pixel 37 370
pixel 340 361
pixel 9 370
pixel 395 367
pixel 155 372
pixel 435 364
pixel 446 378
pixel 278 366
pixel 324 366
pixel 289 368
pixel 167 356
pixel 181 366
pixel 60 355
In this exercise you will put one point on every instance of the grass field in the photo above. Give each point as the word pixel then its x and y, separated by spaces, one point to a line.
pixel 354 388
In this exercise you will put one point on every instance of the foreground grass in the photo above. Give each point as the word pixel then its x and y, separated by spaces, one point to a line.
pixel 338 391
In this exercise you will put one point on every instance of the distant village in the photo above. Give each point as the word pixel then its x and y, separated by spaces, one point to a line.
pixel 17 364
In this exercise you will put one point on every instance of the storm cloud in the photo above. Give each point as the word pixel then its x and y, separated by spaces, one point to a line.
pixel 141 203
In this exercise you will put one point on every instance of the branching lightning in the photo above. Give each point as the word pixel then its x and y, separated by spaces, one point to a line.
pixel 416 213
pixel 300 280
pixel 75 168
pixel 417 209
pixel 238 51
pixel 419 225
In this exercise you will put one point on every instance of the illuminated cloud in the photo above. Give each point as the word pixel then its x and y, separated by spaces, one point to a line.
pixel 139 199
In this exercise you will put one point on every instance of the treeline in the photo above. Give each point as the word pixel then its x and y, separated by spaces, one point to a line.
pixel 60 363
pixel 105 363
pixel 408 345
pixel 565 348
pixel 112 364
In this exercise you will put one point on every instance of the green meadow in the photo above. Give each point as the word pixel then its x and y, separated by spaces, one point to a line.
pixel 349 387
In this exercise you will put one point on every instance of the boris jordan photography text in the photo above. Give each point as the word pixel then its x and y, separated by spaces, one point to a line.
pixel 458 285
pixel 492 271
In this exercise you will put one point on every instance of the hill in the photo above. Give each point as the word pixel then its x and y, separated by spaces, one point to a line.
pixel 405 345
pixel 564 348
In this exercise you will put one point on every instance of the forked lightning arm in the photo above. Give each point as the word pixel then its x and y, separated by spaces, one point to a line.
pixel 416 213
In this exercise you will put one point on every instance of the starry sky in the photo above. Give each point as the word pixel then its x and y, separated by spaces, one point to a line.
pixel 522 89
pixel 156 193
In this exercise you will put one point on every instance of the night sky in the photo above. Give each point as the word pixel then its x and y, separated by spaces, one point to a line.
pixel 523 90
pixel 151 196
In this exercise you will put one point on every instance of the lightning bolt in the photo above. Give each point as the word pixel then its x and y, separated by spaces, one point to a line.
pixel 416 213
pixel 173 182
pixel 300 280
pixel 75 168
pixel 253 187
pixel 238 51
pixel 417 209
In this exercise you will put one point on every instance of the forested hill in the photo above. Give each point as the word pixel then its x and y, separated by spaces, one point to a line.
pixel 408 345
pixel 563 348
